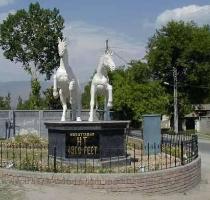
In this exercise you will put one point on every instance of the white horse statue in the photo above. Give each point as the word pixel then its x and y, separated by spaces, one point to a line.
pixel 66 85
pixel 100 83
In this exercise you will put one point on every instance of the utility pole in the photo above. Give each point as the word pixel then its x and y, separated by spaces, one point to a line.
pixel 176 118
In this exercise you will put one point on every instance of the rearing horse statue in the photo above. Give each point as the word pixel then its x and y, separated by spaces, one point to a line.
pixel 100 83
pixel 66 85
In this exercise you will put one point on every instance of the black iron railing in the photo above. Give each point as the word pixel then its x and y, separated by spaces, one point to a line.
pixel 173 151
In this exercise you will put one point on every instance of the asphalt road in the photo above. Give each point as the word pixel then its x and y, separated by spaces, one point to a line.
pixel 204 146
pixel 204 149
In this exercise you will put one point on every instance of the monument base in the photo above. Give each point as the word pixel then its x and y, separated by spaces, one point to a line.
pixel 101 142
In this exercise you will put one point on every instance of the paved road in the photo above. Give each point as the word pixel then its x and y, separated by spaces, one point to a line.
pixel 64 192
pixel 204 146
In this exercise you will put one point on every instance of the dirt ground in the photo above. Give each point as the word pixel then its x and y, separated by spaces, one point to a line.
pixel 64 192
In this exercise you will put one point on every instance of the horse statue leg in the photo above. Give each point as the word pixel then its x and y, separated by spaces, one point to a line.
pixel 106 107
pixel 55 89
pixel 64 105
pixel 108 102
pixel 109 90
pixel 78 105
pixel 74 109
pixel 72 99
pixel 92 95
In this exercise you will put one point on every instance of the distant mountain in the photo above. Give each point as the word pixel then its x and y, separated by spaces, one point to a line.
pixel 22 89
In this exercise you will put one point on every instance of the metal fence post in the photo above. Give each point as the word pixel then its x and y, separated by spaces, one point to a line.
pixel 41 158
pixel 40 121
pixel 194 146
pixel 166 157
pixel 155 150
pixel 182 152
pixel 118 159
pixel 48 156
pixel 13 122
pixel 1 154
pixel 33 165
pixel 54 160
pixel 175 153
pixel 77 164
pixel 170 152
pixel 126 159
pixel 134 157
pixel 190 150
pixel 161 155
pixel 20 154
pixel 148 155
pixel 69 164
pixel 26 156
pixel 61 161
pixel 110 162
pixel 141 155
pixel 13 154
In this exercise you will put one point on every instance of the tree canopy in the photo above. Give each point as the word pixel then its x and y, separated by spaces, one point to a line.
pixel 184 47
pixel 35 101
pixel 5 102
pixel 38 101
pixel 30 37
pixel 49 101
pixel 135 93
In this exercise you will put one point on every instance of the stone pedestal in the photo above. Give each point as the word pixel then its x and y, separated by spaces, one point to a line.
pixel 78 140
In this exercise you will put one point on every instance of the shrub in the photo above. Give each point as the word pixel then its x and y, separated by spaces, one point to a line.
pixel 27 139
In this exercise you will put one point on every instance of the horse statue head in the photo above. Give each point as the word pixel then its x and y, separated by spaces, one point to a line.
pixel 106 62
pixel 62 46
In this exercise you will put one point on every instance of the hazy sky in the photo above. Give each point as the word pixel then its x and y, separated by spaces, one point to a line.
pixel 88 23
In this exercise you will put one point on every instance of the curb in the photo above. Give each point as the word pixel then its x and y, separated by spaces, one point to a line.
pixel 177 179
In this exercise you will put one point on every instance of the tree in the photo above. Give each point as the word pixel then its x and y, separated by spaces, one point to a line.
pixel 183 47
pixel 139 72
pixel 35 101
pixel 86 96
pixel 135 93
pixel 49 101
pixel 20 104
pixel 5 102
pixel 30 37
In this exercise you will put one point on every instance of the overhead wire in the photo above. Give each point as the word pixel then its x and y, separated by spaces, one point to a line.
pixel 127 63
pixel 120 57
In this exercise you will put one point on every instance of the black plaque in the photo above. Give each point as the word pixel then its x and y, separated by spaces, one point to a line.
pixel 82 145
